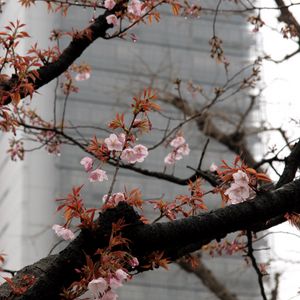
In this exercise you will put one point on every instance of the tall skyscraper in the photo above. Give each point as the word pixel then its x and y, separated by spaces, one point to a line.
pixel 175 48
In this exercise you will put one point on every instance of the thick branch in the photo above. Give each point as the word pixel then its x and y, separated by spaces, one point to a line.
pixel 292 163
pixel 287 17
pixel 79 43
pixel 175 238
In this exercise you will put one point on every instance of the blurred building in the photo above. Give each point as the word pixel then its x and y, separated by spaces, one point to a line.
pixel 173 48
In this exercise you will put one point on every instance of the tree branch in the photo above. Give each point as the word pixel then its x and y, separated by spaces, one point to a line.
pixel 79 43
pixel 175 239
pixel 208 279
pixel 286 16
pixel 250 254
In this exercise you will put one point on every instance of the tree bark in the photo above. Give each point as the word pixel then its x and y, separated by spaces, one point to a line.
pixel 175 239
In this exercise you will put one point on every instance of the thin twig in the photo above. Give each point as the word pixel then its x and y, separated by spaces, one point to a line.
pixel 254 264
pixel 202 154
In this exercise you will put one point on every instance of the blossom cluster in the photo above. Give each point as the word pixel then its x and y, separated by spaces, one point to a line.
pixel 134 9
pixel 136 154
pixel 95 175
pixel 239 190
pixel 131 155
pixel 104 288
pixel 83 71
pixel 16 149
pixel 180 148
pixel 114 199
pixel 115 143
pixel 63 232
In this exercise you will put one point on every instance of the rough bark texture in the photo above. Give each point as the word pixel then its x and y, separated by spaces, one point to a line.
pixel 175 238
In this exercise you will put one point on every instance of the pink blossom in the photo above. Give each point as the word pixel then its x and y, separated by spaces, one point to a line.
pixel 63 232
pixel 238 192
pixel 114 142
pixel 240 178
pixel 141 152
pixel 129 155
pixel 83 76
pixel 98 175
pixel 97 287
pixel 122 138
pixel 114 199
pixel 180 148
pixel 121 275
pixel 87 163
pixel 110 295
pixel 112 19
pixel 213 167
pixel 171 158
pixel 117 281
pixel 136 154
pixel 109 4
pixel 134 262
pixel 136 122
pixel 135 8
pixel 184 149
pixel 177 142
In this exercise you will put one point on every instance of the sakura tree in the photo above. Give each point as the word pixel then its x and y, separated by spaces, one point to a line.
pixel 115 240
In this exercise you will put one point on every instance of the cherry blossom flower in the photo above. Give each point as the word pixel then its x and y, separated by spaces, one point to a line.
pixel 97 287
pixel 134 262
pixel 87 163
pixel 122 138
pixel 114 199
pixel 83 76
pixel 129 155
pixel 213 167
pixel 109 4
pixel 136 154
pixel 97 175
pixel 180 148
pixel 110 295
pixel 135 8
pixel 171 158
pixel 184 149
pixel 177 142
pixel 63 232
pixel 112 19
pixel 136 122
pixel 238 193
pixel 122 275
pixel 16 149
pixel 240 178
pixel 114 142
pixel 141 152
pixel 117 281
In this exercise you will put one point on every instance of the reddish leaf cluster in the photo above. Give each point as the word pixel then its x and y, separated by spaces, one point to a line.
pixel 98 149
pixel 186 205
pixel 225 173
pixel 104 263
pixel 25 283
pixel 74 208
